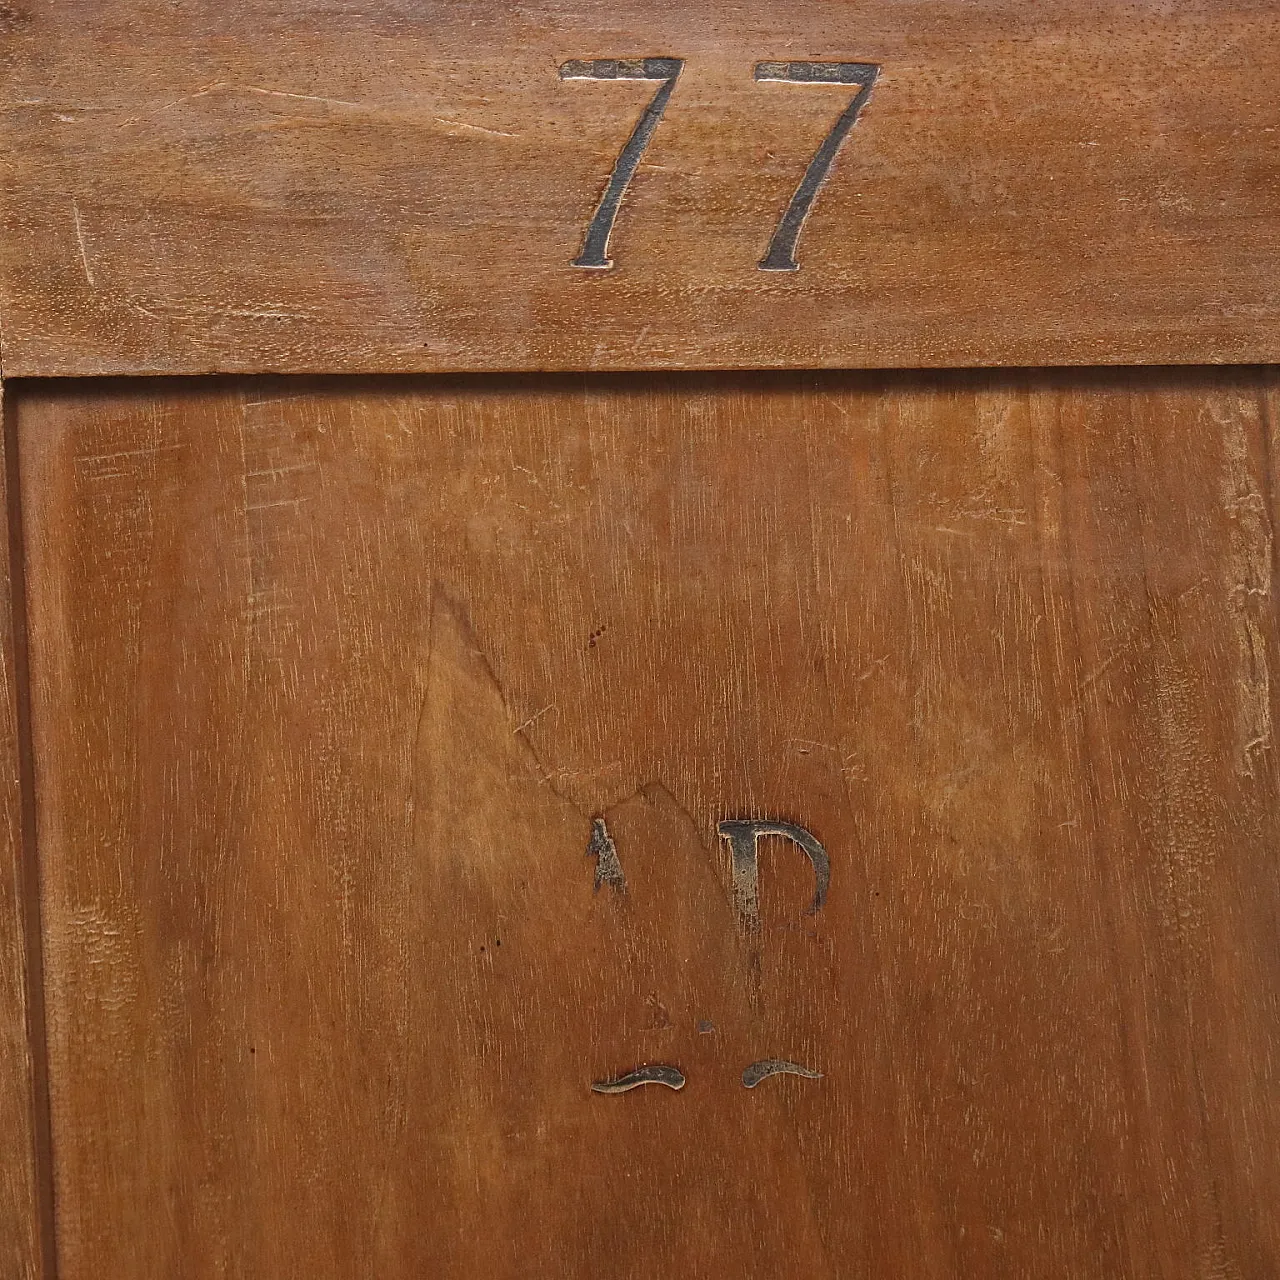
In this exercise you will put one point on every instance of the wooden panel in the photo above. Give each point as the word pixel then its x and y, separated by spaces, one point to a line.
pixel 331 679
pixel 321 186
pixel 20 1210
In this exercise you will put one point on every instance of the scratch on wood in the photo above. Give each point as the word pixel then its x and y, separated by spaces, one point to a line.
pixel 299 97
pixel 475 128
pixel 84 252
pixel 533 719
pixel 253 313
pixel 1098 672
pixel 223 86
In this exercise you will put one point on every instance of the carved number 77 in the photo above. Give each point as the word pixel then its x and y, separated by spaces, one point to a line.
pixel 781 253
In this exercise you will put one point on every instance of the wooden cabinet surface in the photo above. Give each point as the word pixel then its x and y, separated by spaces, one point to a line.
pixel 473 640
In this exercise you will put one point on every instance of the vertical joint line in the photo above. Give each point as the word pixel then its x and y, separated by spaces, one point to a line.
pixel 28 862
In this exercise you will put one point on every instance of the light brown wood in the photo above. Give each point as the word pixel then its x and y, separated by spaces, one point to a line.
pixel 21 1214
pixel 329 680
pixel 307 186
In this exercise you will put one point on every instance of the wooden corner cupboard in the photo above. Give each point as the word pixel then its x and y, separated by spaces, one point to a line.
pixel 637 640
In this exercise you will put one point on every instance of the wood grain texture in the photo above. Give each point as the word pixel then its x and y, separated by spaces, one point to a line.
pixel 330 679
pixel 21 1214
pixel 327 186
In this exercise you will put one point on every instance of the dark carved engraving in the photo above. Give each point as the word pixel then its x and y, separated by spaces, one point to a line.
pixel 605 852
pixel 595 247
pixel 767 1067
pixel 781 253
pixel 672 1077
pixel 742 837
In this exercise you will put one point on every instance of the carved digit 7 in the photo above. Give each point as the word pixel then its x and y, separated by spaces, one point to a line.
pixel 781 253
pixel 595 248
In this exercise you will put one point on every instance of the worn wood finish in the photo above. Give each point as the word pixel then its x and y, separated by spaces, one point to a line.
pixel 329 680
pixel 312 186
pixel 21 1215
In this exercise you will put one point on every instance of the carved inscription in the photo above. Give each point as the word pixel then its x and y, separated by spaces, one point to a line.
pixel 672 1077
pixel 595 248
pixel 743 835
pixel 767 1067
pixel 781 252
pixel 743 838
pixel 605 852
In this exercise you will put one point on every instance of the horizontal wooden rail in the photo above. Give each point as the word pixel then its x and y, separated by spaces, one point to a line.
pixel 298 186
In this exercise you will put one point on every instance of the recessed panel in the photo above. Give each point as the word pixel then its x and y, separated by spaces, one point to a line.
pixel 701 826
